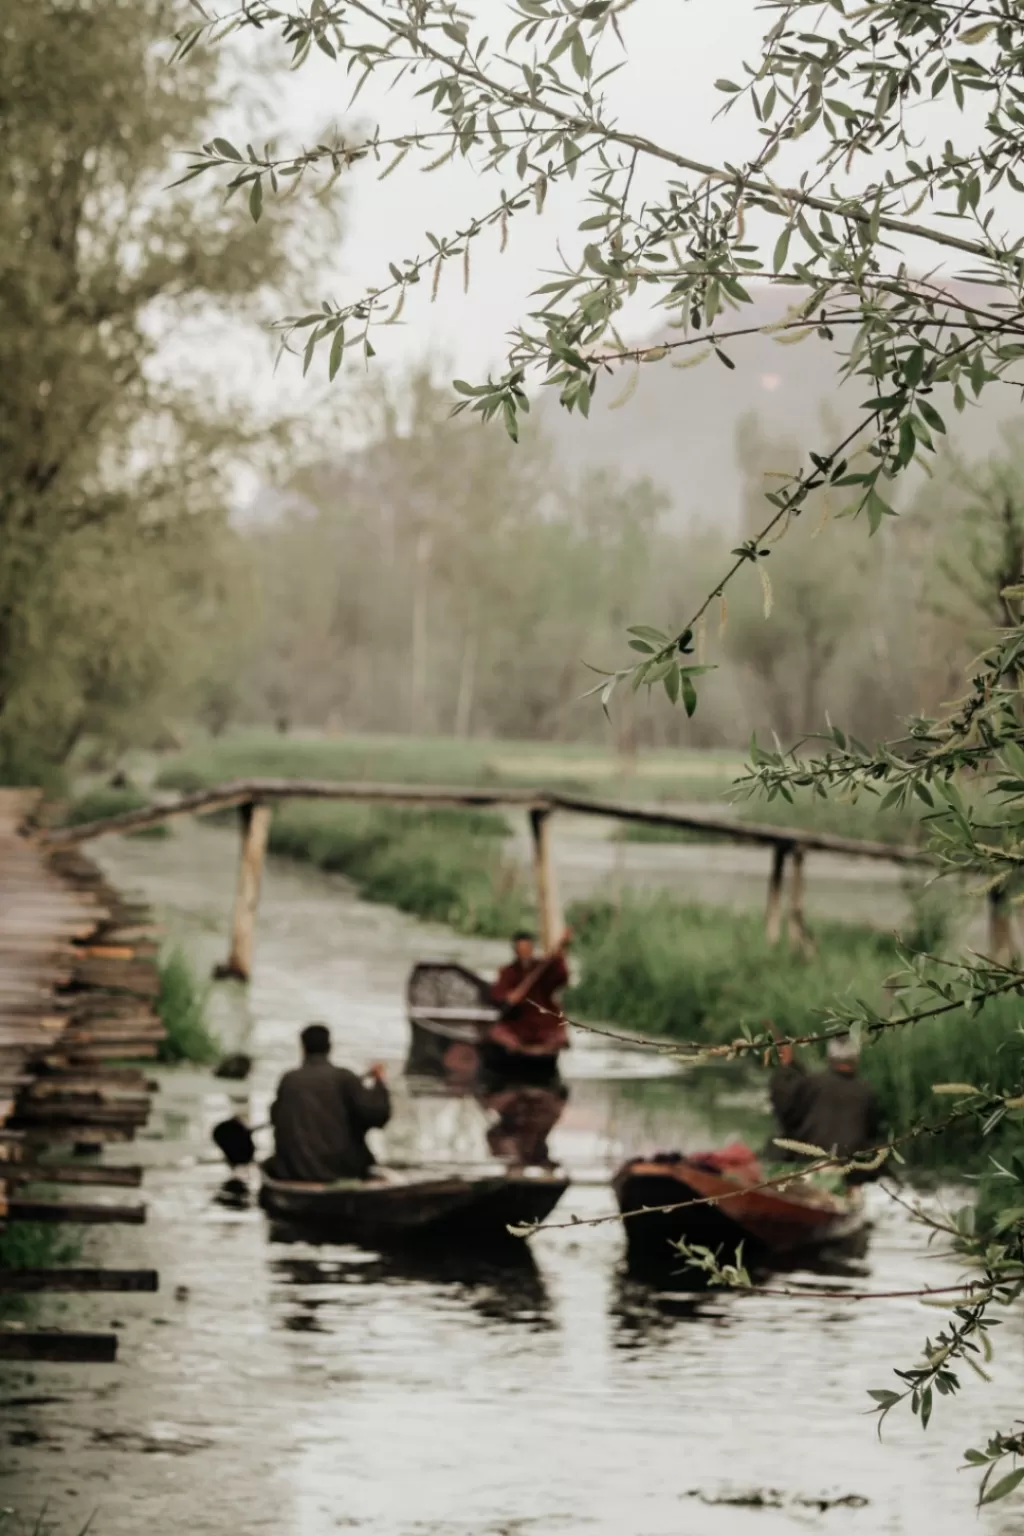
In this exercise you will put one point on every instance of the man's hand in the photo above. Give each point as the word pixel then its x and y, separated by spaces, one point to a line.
pixel 377 1071
pixel 564 941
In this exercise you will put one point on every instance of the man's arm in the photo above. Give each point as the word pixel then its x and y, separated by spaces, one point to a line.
pixel 369 1104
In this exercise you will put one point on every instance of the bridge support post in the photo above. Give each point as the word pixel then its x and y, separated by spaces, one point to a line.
pixel 255 820
pixel 773 912
pixel 549 913
pixel 1001 946
pixel 799 935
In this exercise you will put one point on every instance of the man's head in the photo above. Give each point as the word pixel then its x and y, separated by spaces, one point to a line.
pixel 522 943
pixel 842 1054
pixel 316 1040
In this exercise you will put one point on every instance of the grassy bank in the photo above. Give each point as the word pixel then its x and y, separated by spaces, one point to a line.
pixel 445 866
pixel 33 1245
pixel 182 1007
pixel 695 778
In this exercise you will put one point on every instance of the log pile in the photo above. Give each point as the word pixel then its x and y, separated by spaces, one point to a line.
pixel 78 992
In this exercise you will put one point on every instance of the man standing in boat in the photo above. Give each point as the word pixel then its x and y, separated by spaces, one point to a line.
pixel 834 1109
pixel 321 1116
pixel 532 1022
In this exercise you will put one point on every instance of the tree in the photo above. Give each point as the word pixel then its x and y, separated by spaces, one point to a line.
pixel 114 479
pixel 910 261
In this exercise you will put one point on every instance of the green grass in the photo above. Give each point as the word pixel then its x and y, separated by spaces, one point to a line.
pixel 445 866
pixel 96 804
pixel 182 1008
pixel 33 1245
pixel 583 769
pixel 703 973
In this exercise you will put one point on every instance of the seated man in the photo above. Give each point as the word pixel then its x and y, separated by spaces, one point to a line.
pixel 834 1109
pixel 531 1021
pixel 321 1116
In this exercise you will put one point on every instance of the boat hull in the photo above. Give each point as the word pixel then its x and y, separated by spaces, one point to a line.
pixel 475 1213
pixel 767 1227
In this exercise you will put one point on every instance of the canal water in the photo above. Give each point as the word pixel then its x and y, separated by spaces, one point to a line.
pixel 312 1390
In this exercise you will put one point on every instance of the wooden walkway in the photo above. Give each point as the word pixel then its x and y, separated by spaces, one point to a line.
pixel 78 989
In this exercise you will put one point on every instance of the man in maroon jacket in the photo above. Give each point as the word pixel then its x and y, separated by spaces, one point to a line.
pixel 532 1021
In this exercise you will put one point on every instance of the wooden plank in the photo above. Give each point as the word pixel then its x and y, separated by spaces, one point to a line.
pixel 220 797
pixel 128 1176
pixel 27 1281
pixel 58 1345
pixel 255 821
pixel 76 1134
pixel 75 1212
pixel 126 1050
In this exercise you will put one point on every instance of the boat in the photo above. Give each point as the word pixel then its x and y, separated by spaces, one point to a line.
pixel 397 1207
pixel 772 1228
pixel 450 1016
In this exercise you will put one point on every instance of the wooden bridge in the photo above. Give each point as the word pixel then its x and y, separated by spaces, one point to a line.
pixel 78 986
pixel 255 798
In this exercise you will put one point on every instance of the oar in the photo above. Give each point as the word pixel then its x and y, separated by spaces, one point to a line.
pixel 236 1141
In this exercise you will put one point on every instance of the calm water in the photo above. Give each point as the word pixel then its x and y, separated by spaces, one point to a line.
pixel 289 1388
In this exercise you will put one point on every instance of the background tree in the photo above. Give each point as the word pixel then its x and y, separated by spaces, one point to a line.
pixel 115 476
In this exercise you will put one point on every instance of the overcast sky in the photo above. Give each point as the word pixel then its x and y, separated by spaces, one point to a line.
pixel 676 50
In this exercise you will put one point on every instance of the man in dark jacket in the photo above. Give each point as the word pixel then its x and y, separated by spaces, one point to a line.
pixel 835 1109
pixel 321 1116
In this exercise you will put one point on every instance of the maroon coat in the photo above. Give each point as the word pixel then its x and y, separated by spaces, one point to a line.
pixel 538 1019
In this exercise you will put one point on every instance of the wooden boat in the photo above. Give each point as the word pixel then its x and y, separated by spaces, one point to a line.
pixel 774 1226
pixel 422 1207
pixel 450 1015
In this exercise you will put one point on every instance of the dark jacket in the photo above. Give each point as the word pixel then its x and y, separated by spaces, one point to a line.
pixel 320 1117
pixel 836 1111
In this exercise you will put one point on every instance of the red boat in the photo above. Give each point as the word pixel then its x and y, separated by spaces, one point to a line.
pixel 714 1200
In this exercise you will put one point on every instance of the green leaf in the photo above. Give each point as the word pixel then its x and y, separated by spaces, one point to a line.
pixel 580 59
pixel 337 351
pixel 256 199
pixel 781 250
pixel 228 150
pixel 725 85
pixel 1004 1486
pixel 689 694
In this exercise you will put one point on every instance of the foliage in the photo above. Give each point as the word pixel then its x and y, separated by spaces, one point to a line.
pixel 182 1005
pixel 114 480
pixel 96 804
pixel 444 866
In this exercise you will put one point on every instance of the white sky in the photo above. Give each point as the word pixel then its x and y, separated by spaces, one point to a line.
pixel 677 48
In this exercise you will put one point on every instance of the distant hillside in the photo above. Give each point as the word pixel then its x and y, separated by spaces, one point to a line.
pixel 680 425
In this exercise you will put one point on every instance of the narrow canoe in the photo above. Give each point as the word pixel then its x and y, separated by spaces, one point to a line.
pixel 402 1208
pixel 771 1224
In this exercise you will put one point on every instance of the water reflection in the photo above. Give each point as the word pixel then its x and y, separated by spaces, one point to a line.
pixel 508 1292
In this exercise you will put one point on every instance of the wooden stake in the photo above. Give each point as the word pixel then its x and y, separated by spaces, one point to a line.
pixel 23 1281
pixel 773 913
pixel 73 1211
pixel 56 1344
pixel 255 820
pixel 71 1173
pixel 548 910
pixel 799 936
pixel 1001 946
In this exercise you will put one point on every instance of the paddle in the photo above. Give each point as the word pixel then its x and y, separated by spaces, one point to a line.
pixel 236 1141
